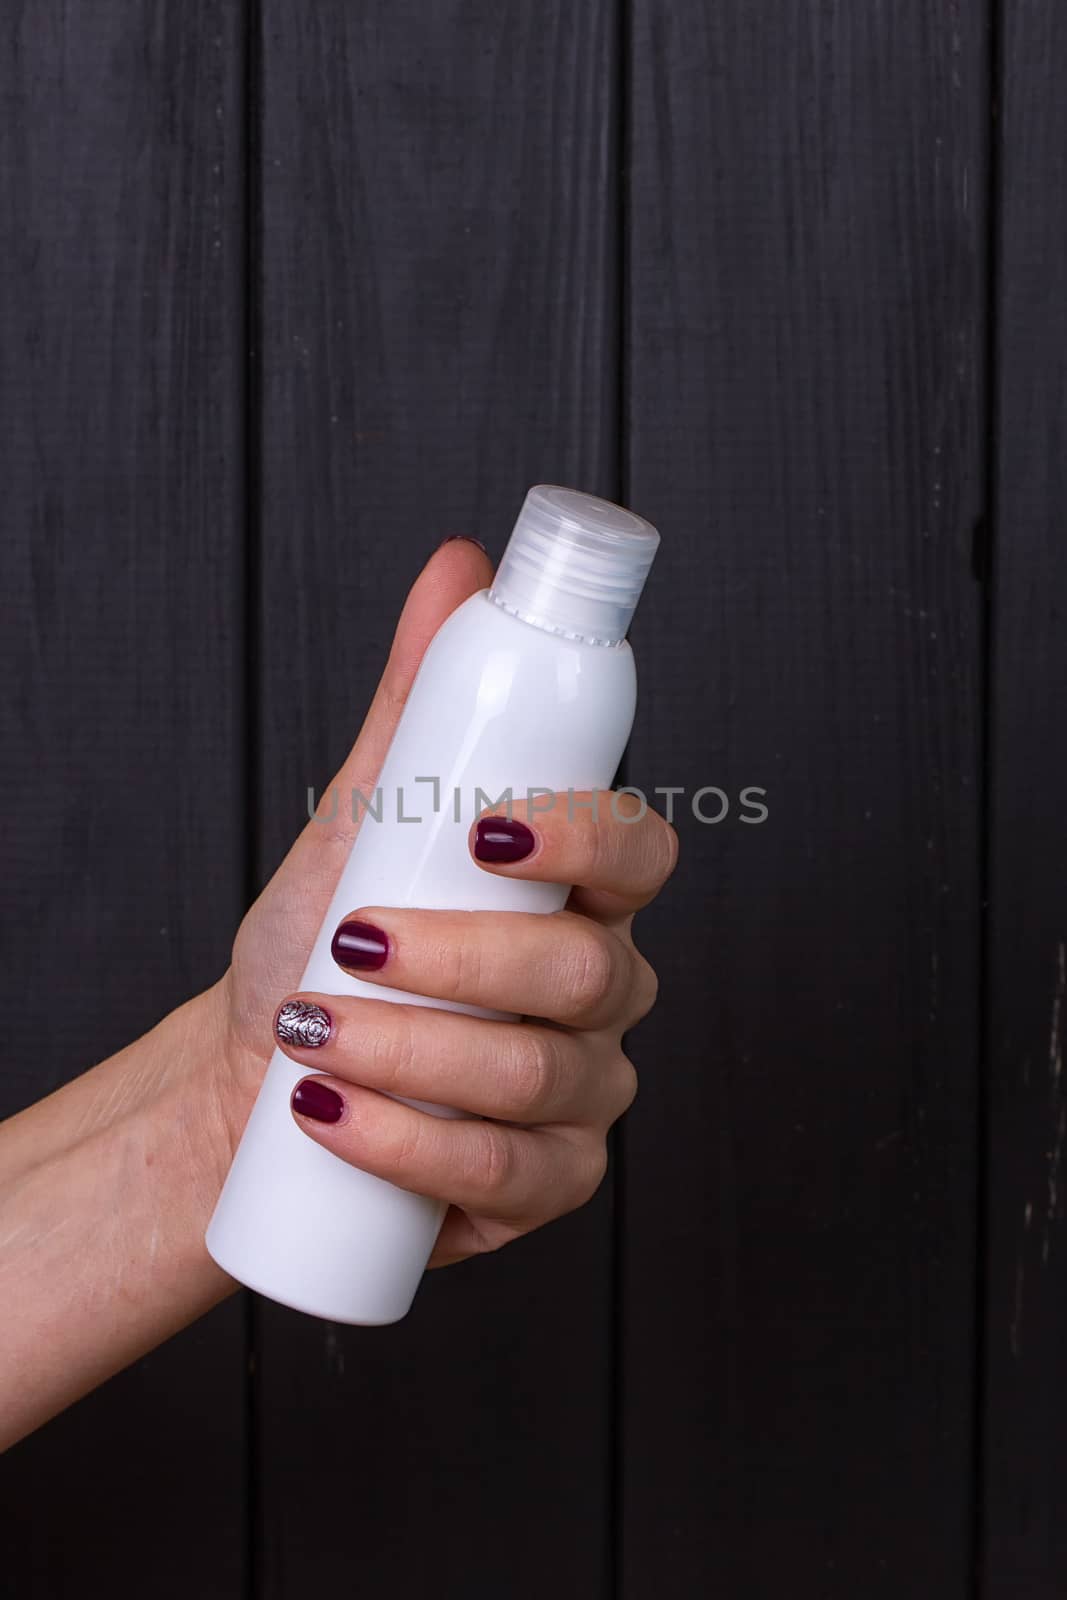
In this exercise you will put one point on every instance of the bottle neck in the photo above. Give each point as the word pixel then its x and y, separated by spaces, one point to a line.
pixel 575 628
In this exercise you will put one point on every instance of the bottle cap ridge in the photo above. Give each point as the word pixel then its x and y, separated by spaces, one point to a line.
pixel 575 564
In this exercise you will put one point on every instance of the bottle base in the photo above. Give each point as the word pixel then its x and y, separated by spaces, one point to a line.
pixel 309 1305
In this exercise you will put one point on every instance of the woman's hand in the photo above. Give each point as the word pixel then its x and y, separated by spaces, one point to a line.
pixel 550 1087
pixel 540 1094
pixel 107 1186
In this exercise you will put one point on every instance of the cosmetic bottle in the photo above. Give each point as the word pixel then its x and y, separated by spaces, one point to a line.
pixel 526 691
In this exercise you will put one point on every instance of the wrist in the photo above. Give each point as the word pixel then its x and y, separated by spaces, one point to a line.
pixel 220 1079
pixel 108 1186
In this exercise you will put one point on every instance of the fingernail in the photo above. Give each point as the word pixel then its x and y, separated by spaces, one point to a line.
pixel 317 1101
pixel 500 839
pixel 360 947
pixel 466 540
pixel 301 1023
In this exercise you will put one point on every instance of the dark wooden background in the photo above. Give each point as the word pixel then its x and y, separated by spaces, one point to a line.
pixel 290 291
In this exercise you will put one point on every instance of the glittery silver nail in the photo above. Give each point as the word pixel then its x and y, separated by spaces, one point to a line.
pixel 302 1024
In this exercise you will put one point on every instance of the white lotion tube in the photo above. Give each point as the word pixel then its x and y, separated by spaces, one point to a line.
pixel 528 686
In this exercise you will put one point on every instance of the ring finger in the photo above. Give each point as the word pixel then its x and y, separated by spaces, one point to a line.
pixel 513 1072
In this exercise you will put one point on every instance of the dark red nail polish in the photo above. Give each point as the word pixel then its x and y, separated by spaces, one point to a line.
pixel 359 947
pixel 317 1101
pixel 466 539
pixel 501 840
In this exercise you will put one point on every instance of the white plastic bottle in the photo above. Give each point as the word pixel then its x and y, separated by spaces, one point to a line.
pixel 528 686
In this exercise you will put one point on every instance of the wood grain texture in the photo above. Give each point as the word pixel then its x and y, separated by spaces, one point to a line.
pixel 777 1394
pixel 805 403
pixel 439 304
pixel 120 178
pixel 1024 1554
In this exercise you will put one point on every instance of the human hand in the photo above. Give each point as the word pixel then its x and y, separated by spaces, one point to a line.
pixel 542 1092
pixel 274 941
pixel 107 1185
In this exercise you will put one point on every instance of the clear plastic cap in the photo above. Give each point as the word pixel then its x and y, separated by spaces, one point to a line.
pixel 575 565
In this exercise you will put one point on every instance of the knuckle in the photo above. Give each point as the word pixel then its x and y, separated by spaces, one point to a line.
pixel 644 989
pixel 592 1168
pixel 536 1071
pixel 492 1233
pixel 591 977
pixel 583 1171
pixel 600 845
pixel 659 853
pixel 626 1086
pixel 492 1161
pixel 459 963
pixel 667 846
pixel 384 1045
pixel 409 1144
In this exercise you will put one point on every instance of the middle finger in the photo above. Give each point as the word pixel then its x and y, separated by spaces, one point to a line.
pixel 561 966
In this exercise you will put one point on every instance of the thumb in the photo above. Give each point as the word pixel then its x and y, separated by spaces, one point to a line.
pixel 279 930
pixel 453 573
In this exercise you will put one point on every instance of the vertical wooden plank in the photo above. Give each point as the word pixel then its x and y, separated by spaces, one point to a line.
pixel 438 311
pixel 1025 1518
pixel 120 356
pixel 805 373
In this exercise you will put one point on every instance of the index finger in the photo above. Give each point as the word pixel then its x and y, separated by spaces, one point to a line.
pixel 613 847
